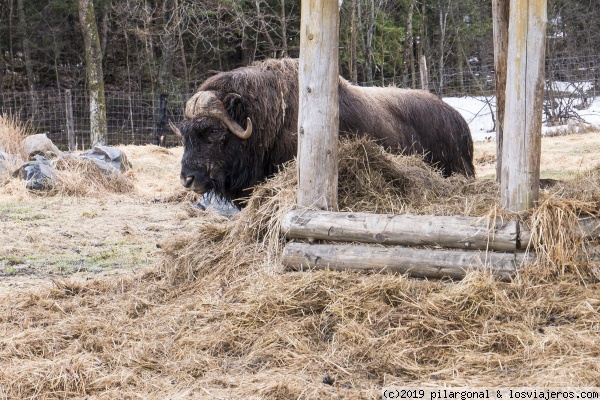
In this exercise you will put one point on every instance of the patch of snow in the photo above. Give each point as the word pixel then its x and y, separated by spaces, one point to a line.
pixel 477 111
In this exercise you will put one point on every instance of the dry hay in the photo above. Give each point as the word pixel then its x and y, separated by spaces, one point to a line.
pixel 11 134
pixel 74 176
pixel 81 177
pixel 219 319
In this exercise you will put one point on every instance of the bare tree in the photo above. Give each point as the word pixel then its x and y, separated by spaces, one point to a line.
pixel 24 32
pixel 353 56
pixel 443 10
pixel 93 65
pixel 409 54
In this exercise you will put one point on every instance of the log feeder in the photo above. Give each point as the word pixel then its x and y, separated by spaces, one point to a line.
pixel 420 263
pixel 458 232
pixel 496 245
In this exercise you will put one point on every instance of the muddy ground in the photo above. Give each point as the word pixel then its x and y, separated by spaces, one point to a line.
pixel 50 237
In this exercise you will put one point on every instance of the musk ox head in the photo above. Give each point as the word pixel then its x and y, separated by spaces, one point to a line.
pixel 214 144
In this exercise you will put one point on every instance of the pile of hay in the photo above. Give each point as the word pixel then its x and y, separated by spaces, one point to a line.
pixel 81 177
pixel 11 134
pixel 74 176
pixel 218 318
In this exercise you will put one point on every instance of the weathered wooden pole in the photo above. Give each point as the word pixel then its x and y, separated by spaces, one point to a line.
pixel 318 117
pixel 424 73
pixel 500 10
pixel 521 147
pixel 69 121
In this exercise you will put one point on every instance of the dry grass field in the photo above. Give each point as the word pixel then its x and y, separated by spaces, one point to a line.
pixel 131 293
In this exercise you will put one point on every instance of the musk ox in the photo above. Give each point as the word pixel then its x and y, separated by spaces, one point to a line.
pixel 241 126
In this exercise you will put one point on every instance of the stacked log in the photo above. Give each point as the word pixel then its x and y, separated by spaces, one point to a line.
pixel 448 245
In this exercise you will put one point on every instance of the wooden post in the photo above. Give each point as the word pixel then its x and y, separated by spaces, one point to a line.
pixel 521 147
pixel 160 125
pixel 318 117
pixel 69 120
pixel 500 10
pixel 418 263
pixel 424 73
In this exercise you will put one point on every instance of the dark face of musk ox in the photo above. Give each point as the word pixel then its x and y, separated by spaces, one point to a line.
pixel 213 158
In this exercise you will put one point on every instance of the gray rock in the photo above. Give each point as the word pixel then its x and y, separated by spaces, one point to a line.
pixel 38 173
pixel 39 145
pixel 108 159
pixel 3 163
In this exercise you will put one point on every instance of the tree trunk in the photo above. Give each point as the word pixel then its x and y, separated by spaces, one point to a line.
pixel 443 15
pixel 104 31
pixel 10 43
pixel 409 55
pixel 186 75
pixel 27 54
pixel 264 29
pixel 284 46
pixel 168 44
pixel 370 35
pixel 93 67
pixel 421 48
pixel 353 56
pixel 500 10
pixel 366 45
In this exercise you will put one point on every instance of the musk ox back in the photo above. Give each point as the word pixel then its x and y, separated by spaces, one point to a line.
pixel 242 125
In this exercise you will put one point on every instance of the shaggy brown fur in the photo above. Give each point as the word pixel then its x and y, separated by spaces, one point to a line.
pixel 410 121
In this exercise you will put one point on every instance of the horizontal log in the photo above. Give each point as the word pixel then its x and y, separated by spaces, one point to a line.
pixel 458 232
pixel 420 263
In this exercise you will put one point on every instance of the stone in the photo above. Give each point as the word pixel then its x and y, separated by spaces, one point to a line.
pixel 39 145
pixel 38 173
pixel 109 159
pixel 3 163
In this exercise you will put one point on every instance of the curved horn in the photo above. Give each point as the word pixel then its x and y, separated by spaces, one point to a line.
pixel 175 129
pixel 206 104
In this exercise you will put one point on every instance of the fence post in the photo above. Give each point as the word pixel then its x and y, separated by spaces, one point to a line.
pixel 318 116
pixel 424 73
pixel 160 125
pixel 521 148
pixel 69 120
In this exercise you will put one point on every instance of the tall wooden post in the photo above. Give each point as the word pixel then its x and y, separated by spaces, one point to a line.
pixel 160 123
pixel 500 10
pixel 424 73
pixel 521 147
pixel 318 117
pixel 69 121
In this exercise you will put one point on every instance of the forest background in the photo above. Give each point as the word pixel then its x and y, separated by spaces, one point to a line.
pixel 154 47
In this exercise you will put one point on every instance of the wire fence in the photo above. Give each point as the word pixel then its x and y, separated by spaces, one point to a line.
pixel 142 118
pixel 476 79
pixel 131 118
